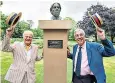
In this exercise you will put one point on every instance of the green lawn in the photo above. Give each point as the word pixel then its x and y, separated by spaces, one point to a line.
pixel 6 60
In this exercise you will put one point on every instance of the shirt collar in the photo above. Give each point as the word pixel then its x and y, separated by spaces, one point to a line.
pixel 25 45
pixel 83 46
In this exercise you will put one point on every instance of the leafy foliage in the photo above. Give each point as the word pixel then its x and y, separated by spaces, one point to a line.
pixel 73 27
pixel 107 15
pixel 20 28
pixel 38 33
pixel 3 24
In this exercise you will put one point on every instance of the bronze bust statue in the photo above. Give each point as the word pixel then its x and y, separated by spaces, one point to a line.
pixel 55 10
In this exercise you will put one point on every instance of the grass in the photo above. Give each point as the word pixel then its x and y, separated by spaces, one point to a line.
pixel 109 64
pixel 6 60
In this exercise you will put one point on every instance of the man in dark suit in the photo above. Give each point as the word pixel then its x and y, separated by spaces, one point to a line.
pixel 88 58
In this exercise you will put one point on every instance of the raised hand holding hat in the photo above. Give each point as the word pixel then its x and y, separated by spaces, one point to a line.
pixel 13 19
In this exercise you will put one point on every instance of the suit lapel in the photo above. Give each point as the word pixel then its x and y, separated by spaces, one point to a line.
pixel 74 52
pixel 88 48
pixel 24 53
pixel 32 53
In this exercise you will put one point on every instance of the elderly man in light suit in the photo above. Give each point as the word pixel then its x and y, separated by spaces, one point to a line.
pixel 88 58
pixel 24 56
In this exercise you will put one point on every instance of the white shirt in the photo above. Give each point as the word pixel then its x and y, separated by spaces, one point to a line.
pixel 84 61
pixel 28 53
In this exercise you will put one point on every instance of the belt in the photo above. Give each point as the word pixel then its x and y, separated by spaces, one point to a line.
pixel 84 76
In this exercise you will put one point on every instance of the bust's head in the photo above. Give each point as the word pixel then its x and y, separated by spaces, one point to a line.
pixel 55 10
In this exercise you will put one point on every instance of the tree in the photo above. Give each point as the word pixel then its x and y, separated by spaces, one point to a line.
pixel 3 25
pixel 74 26
pixel 20 28
pixel 88 26
pixel 30 23
pixel 18 31
pixel 109 17
pixel 38 32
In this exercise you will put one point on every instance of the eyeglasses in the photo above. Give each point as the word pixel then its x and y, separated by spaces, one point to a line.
pixel 79 35
pixel 28 37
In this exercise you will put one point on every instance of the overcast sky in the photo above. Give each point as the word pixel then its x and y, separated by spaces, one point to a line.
pixel 39 10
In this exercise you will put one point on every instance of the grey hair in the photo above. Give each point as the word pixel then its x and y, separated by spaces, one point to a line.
pixel 53 5
pixel 27 32
pixel 78 29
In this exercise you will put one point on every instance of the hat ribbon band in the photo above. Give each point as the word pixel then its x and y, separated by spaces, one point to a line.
pixel 11 19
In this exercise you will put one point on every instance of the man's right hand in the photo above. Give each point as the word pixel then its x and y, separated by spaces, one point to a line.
pixel 9 31
pixel 68 51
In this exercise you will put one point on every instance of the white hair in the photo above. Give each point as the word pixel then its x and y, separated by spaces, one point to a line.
pixel 28 32
pixel 78 29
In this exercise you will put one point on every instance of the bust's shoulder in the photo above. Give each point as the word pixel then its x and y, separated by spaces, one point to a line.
pixel 53 18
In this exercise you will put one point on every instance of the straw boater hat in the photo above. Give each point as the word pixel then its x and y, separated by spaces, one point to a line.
pixel 96 19
pixel 13 18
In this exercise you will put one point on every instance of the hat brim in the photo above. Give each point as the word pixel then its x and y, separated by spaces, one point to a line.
pixel 96 19
pixel 92 19
pixel 100 19
pixel 15 20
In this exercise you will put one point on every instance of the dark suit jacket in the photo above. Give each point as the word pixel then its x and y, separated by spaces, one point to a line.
pixel 95 53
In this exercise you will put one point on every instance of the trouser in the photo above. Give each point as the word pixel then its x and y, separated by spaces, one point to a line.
pixel 24 80
pixel 84 79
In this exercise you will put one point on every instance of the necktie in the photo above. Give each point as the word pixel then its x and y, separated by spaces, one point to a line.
pixel 78 65
pixel 27 48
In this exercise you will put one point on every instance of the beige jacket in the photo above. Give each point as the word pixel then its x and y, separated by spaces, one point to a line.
pixel 20 64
